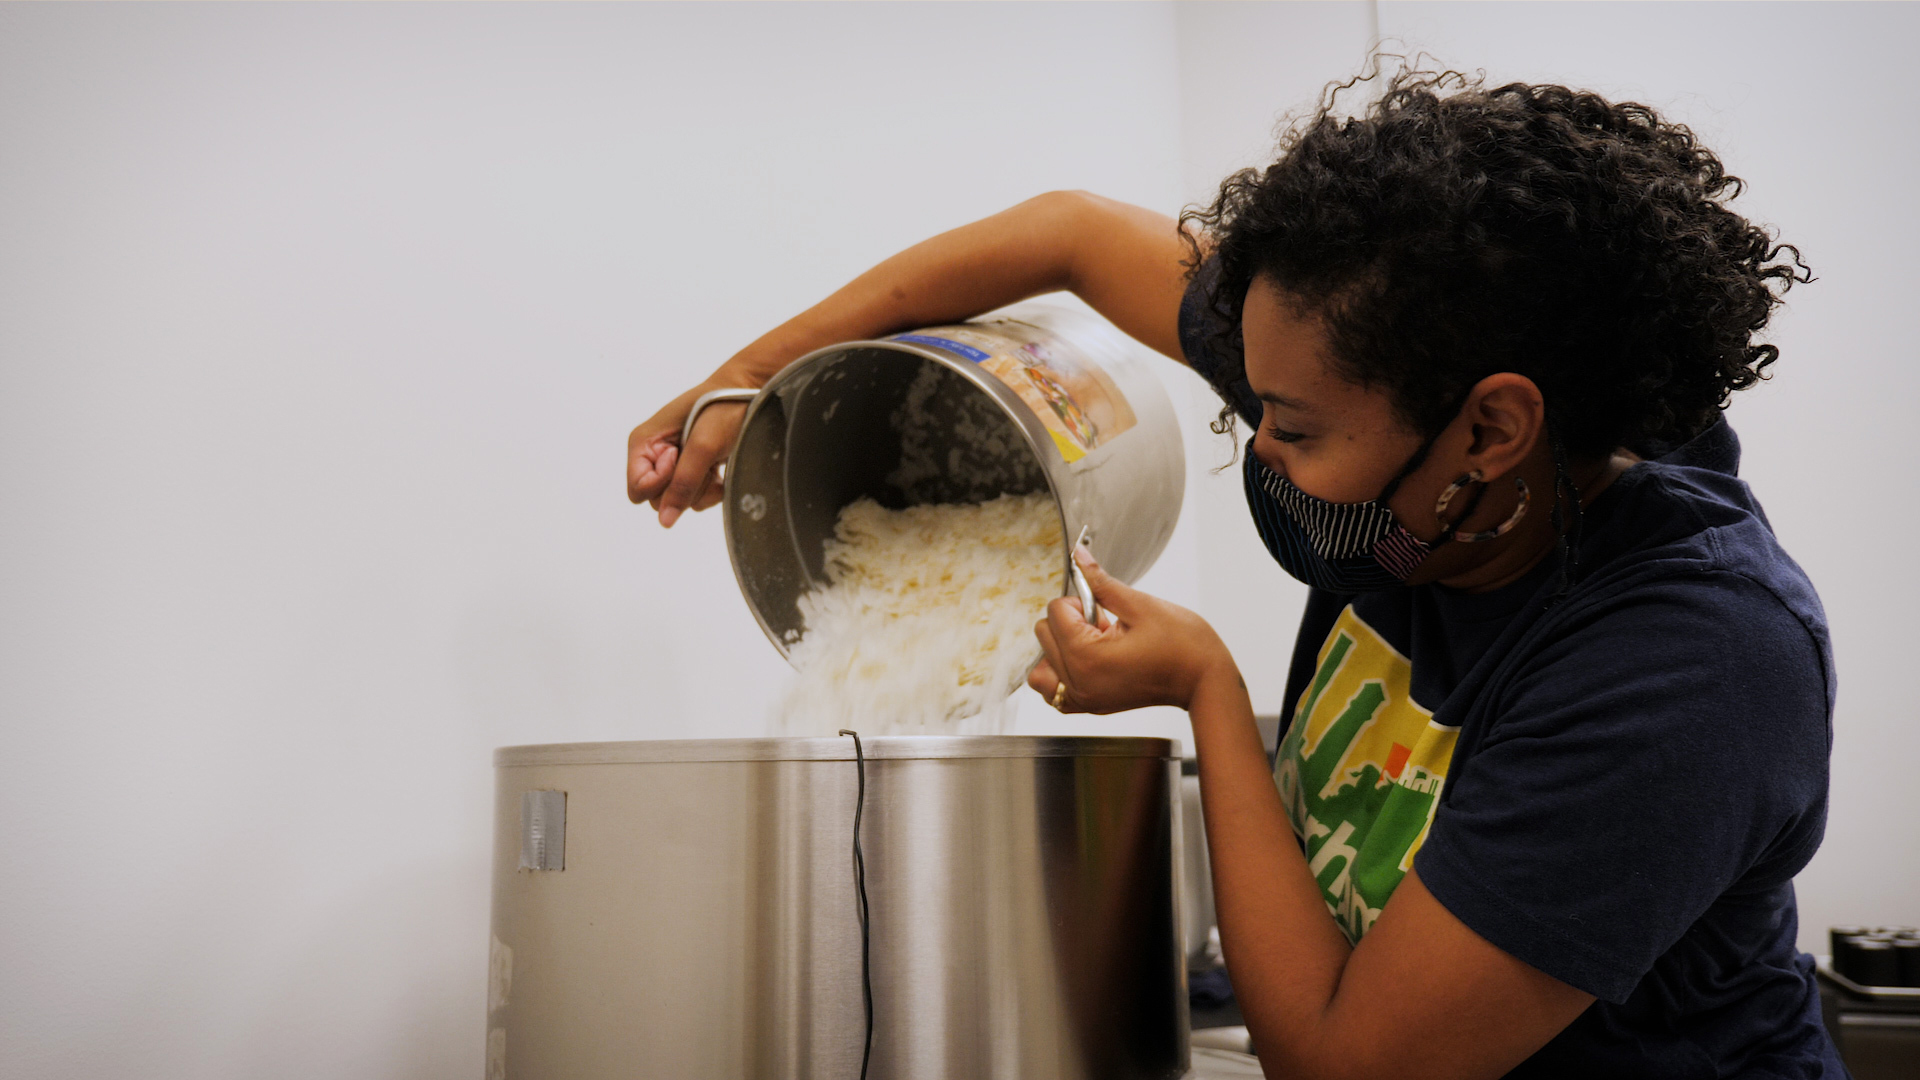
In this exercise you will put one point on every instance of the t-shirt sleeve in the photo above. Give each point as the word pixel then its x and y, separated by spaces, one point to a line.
pixel 1669 748
pixel 1208 351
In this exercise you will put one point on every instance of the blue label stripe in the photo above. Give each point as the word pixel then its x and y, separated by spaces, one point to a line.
pixel 948 344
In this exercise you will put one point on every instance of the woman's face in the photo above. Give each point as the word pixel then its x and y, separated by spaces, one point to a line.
pixel 1344 443
pixel 1334 439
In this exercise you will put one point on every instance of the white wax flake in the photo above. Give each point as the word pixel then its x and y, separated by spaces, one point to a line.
pixel 926 626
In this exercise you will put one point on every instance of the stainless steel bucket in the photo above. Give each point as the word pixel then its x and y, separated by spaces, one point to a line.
pixel 686 910
pixel 1034 397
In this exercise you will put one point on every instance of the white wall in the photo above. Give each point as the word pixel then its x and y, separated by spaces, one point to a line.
pixel 321 329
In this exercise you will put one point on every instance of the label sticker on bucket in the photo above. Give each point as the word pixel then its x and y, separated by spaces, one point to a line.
pixel 1078 403
pixel 948 344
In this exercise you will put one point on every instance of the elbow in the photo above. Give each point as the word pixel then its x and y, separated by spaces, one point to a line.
pixel 1067 211
pixel 1068 199
pixel 1293 1068
pixel 1073 221
pixel 1313 1055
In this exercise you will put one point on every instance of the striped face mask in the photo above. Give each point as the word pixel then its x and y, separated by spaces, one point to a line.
pixel 1340 547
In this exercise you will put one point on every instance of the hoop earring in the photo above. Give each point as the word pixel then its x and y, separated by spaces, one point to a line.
pixel 1476 477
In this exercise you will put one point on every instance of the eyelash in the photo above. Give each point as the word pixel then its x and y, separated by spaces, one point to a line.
pixel 1278 435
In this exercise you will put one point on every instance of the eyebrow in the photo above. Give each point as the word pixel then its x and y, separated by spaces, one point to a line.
pixel 1286 402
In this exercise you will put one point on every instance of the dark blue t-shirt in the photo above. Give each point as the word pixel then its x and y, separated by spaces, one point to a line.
pixel 1616 786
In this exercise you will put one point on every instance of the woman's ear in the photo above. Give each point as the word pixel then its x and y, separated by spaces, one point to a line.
pixel 1508 418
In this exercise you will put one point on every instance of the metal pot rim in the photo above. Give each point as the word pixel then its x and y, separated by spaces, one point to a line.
pixel 837 748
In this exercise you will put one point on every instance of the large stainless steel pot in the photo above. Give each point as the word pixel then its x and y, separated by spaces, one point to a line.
pixel 686 910
pixel 1034 397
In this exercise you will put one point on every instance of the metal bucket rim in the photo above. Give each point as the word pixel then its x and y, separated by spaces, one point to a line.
pixel 838 748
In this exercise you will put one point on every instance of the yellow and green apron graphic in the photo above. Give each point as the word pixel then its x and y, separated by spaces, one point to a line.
pixel 1360 772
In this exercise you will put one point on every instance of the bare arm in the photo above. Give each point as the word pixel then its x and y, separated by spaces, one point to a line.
pixel 1125 262
pixel 1421 995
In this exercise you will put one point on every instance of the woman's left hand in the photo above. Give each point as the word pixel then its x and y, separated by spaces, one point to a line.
pixel 1150 652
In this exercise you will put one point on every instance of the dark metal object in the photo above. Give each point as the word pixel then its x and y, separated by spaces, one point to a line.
pixel 1907 950
pixel 1873 962
pixel 1878 1037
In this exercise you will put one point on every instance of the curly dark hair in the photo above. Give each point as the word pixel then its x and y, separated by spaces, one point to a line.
pixel 1452 232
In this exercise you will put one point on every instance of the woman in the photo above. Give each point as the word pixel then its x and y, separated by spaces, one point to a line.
pixel 1560 702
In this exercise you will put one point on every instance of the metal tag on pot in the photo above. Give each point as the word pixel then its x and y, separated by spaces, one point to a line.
pixel 543 830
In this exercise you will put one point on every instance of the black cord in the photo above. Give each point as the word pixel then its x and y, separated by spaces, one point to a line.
pixel 860 887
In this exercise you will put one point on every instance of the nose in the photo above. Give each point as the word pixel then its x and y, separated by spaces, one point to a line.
pixel 1267 451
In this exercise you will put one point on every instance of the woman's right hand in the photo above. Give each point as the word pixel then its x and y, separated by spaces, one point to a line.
pixel 674 478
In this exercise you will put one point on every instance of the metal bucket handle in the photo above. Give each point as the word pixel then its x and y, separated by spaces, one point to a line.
pixel 741 394
pixel 1089 607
